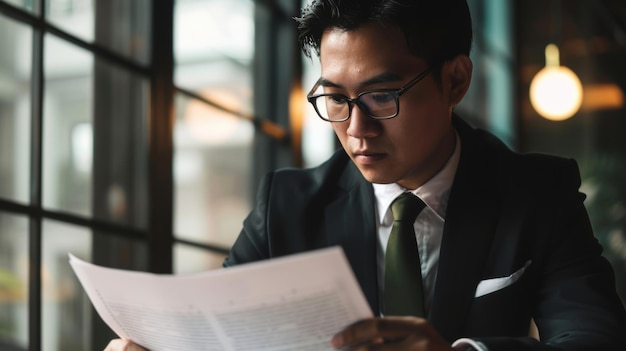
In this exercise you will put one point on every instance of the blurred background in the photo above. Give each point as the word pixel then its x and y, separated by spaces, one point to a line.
pixel 133 133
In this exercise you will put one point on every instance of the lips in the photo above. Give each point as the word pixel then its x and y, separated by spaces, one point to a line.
pixel 368 157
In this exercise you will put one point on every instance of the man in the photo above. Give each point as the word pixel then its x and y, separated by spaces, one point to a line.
pixel 503 238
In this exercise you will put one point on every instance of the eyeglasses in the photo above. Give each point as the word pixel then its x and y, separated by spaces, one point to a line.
pixel 378 104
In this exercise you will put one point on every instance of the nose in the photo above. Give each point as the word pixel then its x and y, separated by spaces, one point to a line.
pixel 362 126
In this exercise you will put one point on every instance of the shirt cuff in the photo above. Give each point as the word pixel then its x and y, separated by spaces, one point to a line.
pixel 465 344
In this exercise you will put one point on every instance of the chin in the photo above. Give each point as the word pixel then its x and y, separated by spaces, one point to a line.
pixel 377 179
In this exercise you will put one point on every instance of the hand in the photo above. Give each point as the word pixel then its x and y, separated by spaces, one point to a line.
pixel 391 333
pixel 123 345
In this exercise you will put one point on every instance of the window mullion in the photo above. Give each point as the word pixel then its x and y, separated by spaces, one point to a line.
pixel 160 227
pixel 35 237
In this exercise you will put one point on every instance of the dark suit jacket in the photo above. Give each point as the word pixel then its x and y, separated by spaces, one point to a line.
pixel 505 209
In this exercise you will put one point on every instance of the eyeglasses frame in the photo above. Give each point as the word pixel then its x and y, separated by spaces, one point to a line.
pixel 397 93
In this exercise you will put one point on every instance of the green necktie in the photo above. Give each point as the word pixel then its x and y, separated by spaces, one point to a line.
pixel 404 293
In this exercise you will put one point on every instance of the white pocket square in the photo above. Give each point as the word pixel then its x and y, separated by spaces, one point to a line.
pixel 488 286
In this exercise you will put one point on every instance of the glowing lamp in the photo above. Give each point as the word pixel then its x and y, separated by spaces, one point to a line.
pixel 555 92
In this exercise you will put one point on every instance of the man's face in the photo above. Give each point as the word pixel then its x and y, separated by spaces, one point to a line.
pixel 410 148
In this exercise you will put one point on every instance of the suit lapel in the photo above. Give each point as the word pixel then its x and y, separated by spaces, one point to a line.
pixel 351 224
pixel 470 224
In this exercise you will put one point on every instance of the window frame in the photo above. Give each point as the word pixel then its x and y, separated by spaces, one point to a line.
pixel 274 140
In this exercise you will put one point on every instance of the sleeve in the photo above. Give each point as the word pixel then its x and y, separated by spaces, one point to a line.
pixel 576 306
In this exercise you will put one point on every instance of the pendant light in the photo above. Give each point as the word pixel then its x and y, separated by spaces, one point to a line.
pixel 556 92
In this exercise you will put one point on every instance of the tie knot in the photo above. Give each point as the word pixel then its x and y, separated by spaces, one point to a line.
pixel 406 207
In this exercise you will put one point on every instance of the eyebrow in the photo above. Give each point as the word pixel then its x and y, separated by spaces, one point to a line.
pixel 386 77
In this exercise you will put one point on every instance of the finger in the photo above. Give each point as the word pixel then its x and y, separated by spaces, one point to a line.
pixel 409 343
pixel 123 345
pixel 357 333
pixel 374 330
pixel 400 327
pixel 422 336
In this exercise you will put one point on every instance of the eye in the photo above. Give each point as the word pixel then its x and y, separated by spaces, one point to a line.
pixel 336 98
pixel 380 97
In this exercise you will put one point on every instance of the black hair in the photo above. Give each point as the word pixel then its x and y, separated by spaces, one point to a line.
pixel 435 30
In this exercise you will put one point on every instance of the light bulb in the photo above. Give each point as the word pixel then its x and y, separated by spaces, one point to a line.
pixel 555 92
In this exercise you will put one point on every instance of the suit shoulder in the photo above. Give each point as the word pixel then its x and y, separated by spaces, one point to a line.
pixel 497 152
pixel 527 171
pixel 536 171
pixel 330 173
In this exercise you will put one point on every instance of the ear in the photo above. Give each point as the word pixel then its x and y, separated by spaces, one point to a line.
pixel 458 73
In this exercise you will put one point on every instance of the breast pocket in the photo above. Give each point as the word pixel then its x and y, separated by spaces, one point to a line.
pixel 492 285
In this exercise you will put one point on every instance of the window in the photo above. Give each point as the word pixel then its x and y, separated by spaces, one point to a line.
pixel 213 49
pixel 74 162
pixel 130 137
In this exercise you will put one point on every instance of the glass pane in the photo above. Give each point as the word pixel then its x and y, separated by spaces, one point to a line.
pixel 94 111
pixel 74 16
pixel 318 137
pixel 67 141
pixel 120 146
pixel 13 281
pixel 212 167
pixel 15 109
pixel 214 46
pixel 69 322
pixel 120 25
pixel 189 259
pixel 124 27
pixel 29 5
pixel 66 310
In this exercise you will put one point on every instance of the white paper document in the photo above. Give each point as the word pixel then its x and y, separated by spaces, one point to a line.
pixel 294 302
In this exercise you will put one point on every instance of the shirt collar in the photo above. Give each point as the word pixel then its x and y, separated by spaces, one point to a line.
pixel 434 192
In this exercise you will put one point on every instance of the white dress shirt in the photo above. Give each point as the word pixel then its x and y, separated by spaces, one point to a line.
pixel 428 225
